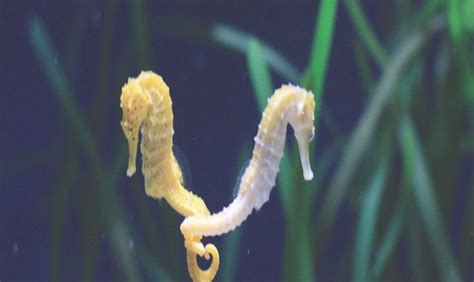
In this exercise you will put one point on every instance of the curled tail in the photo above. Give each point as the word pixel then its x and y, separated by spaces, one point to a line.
pixel 187 204
pixel 196 273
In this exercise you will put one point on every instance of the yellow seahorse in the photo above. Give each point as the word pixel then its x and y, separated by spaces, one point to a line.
pixel 146 104
pixel 289 104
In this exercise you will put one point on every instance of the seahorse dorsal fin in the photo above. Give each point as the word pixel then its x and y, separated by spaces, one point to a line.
pixel 236 189
pixel 183 166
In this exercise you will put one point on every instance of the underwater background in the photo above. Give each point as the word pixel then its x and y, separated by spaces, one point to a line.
pixel 393 193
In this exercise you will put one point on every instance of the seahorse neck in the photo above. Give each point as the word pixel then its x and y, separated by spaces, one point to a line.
pixel 271 133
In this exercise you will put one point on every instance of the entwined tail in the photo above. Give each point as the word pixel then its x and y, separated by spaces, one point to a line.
pixel 196 273
pixel 187 204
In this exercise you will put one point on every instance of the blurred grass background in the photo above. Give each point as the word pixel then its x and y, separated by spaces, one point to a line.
pixel 393 195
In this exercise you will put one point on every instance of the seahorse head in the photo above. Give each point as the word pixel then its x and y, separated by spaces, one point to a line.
pixel 303 125
pixel 135 104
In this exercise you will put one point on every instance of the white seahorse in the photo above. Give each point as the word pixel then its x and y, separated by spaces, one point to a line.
pixel 288 105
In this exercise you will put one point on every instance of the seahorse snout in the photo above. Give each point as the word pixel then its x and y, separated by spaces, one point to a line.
pixel 135 104
pixel 132 137
pixel 304 132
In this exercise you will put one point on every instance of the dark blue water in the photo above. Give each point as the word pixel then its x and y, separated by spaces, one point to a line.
pixel 55 221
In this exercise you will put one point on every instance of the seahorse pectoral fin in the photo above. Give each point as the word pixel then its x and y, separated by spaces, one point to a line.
pixel 303 146
pixel 132 137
